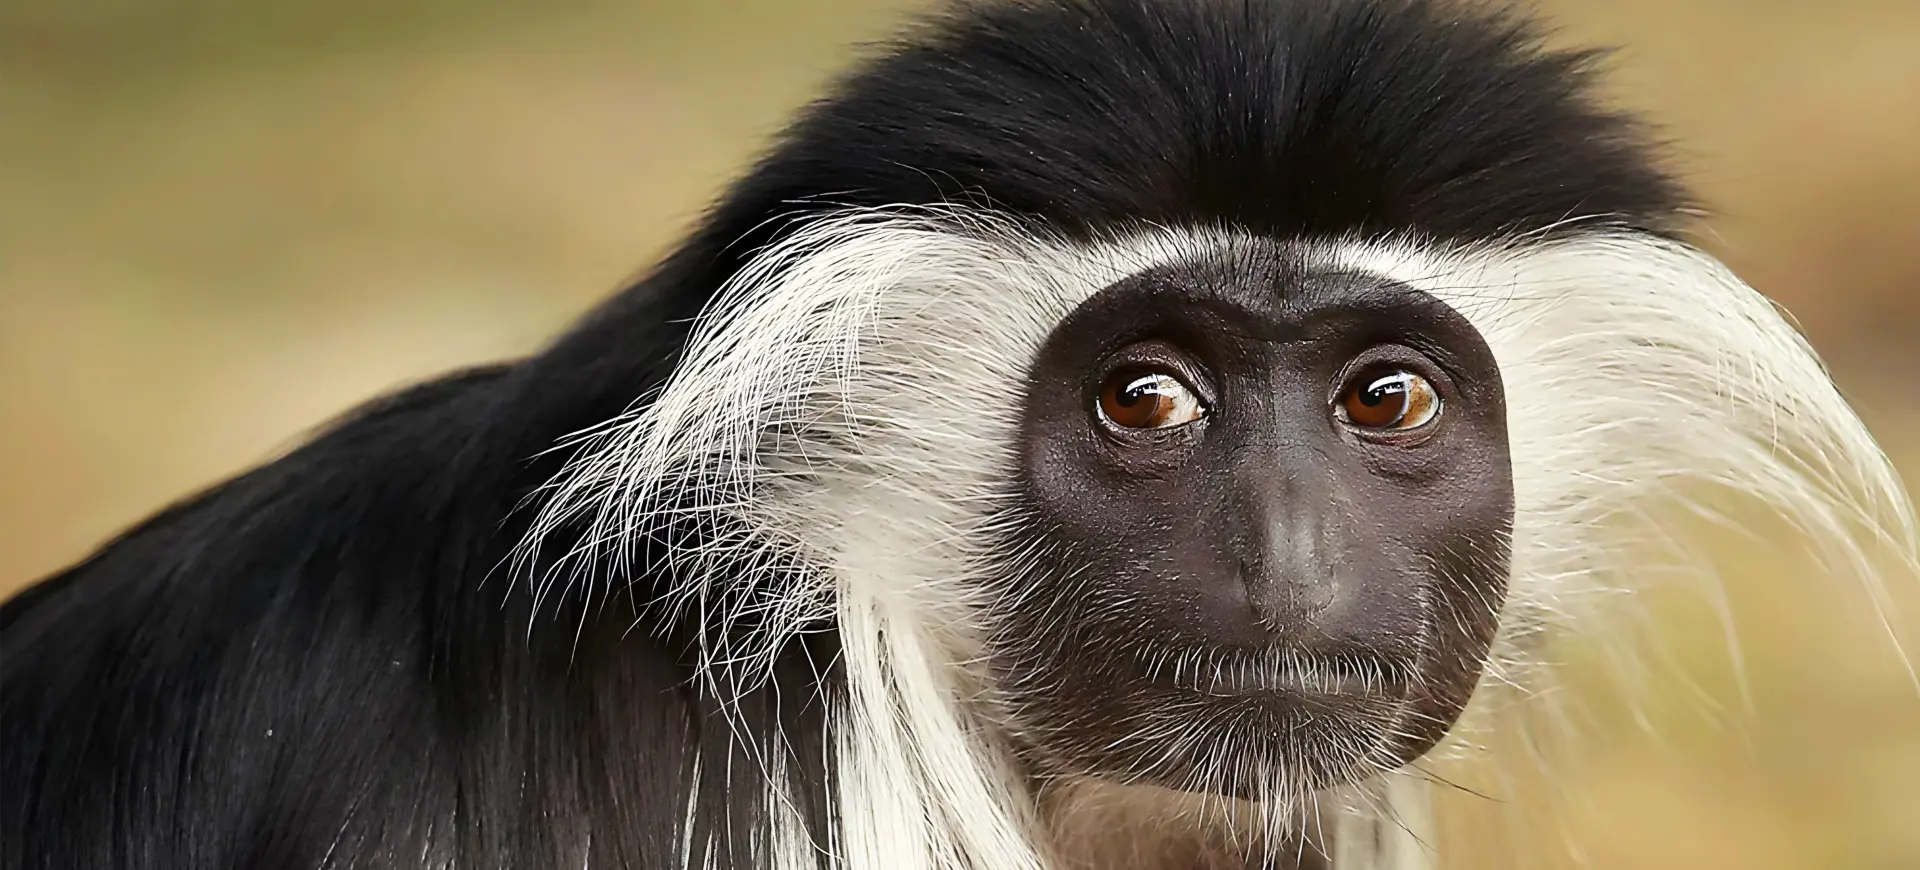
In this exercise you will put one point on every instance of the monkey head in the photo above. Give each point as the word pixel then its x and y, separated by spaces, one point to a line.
pixel 1270 503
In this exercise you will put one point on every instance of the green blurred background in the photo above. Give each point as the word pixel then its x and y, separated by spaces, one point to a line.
pixel 222 222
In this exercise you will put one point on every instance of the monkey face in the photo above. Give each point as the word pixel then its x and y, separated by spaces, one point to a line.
pixel 1269 508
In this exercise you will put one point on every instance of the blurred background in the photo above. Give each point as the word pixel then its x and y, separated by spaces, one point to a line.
pixel 222 222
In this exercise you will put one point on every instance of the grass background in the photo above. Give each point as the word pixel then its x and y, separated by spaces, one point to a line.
pixel 222 222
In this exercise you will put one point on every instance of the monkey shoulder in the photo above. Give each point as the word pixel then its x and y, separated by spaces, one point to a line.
pixel 318 656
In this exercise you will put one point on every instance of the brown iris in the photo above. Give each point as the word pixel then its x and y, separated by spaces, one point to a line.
pixel 1137 399
pixel 1395 400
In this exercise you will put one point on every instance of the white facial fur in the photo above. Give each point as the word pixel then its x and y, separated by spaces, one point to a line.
pixel 855 352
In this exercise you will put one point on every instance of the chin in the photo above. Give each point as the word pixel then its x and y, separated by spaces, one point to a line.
pixel 1285 745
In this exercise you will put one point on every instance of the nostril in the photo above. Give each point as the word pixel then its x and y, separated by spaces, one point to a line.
pixel 1266 605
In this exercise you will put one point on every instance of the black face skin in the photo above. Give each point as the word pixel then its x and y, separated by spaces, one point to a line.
pixel 1270 592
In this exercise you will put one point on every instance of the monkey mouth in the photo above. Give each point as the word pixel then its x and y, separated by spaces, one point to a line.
pixel 1306 682
pixel 1236 722
pixel 1297 674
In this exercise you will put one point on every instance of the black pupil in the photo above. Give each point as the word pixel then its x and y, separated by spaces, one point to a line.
pixel 1139 389
pixel 1374 395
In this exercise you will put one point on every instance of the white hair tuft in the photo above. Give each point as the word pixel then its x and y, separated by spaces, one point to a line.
pixel 825 427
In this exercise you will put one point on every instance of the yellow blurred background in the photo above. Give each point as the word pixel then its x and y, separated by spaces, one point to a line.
pixel 222 222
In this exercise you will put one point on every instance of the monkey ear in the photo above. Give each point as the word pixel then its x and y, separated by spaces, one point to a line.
pixel 1647 384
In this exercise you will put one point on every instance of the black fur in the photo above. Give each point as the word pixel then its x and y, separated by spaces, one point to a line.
pixel 315 665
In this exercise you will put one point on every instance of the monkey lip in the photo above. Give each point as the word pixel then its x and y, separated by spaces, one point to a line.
pixel 1305 676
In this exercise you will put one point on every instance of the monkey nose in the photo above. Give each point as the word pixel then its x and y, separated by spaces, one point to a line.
pixel 1290 594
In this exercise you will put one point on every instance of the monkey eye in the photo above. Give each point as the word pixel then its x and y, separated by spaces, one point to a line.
pixel 1148 399
pixel 1397 400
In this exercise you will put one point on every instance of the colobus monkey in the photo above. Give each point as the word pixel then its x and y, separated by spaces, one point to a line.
pixel 1102 434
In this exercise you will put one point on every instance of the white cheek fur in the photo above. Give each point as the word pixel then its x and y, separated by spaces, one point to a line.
pixel 822 414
